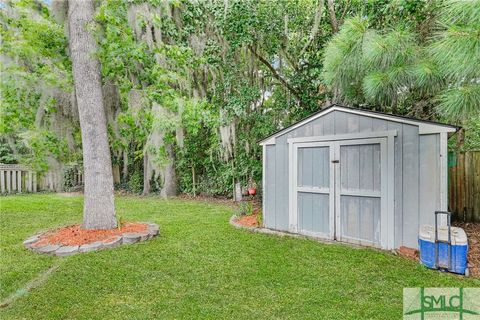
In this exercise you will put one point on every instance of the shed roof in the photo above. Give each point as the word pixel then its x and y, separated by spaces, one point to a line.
pixel 425 126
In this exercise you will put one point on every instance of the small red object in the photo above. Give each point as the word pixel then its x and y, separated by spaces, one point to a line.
pixel 252 191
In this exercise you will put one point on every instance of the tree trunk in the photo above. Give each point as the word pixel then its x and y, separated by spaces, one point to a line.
pixel 460 139
pixel 125 166
pixel 237 196
pixel 333 17
pixel 116 173
pixel 169 176
pixel 315 27
pixel 147 175
pixel 193 181
pixel 99 207
pixel 276 75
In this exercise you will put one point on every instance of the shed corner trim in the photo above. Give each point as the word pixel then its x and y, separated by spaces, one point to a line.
pixel 267 142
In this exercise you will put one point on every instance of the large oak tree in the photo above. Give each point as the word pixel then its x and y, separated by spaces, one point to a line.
pixel 99 208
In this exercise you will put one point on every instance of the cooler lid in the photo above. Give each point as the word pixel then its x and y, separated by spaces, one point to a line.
pixel 427 232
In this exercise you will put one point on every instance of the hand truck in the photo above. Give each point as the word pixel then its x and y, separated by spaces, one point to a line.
pixel 448 242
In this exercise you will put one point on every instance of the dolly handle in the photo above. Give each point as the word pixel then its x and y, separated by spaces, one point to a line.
pixel 449 224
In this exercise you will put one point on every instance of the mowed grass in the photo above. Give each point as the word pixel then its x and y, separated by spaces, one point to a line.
pixel 200 267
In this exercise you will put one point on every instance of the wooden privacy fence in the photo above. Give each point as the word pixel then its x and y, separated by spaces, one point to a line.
pixel 464 185
pixel 17 178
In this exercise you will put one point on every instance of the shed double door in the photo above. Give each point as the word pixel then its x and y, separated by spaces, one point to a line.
pixel 340 189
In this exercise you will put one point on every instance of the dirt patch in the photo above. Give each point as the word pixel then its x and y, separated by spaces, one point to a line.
pixel 473 234
pixel 74 235
pixel 248 221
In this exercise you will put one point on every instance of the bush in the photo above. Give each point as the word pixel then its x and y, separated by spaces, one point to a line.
pixel 245 208
pixel 135 183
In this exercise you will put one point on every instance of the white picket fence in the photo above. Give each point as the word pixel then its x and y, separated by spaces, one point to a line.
pixel 17 178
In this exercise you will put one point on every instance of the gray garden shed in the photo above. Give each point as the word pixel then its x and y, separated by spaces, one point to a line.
pixel 356 176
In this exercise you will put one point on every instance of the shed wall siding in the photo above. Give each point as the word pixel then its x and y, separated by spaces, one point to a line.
pixel 410 185
pixel 269 192
pixel 429 187
pixel 416 167
pixel 281 183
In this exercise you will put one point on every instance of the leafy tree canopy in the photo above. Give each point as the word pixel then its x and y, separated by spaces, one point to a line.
pixel 191 86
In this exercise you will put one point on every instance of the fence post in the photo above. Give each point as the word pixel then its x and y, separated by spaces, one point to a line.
pixel 14 180
pixel 476 197
pixel 34 182
pixel 9 186
pixel 19 180
pixel 30 181
pixel 461 184
pixel 2 180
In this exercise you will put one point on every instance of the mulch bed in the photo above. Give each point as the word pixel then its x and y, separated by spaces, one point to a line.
pixel 74 235
pixel 248 221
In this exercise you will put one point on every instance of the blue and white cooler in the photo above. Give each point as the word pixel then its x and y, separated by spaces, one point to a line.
pixel 459 249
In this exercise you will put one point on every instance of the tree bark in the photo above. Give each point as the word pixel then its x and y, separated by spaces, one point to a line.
pixel 59 10
pixel 193 181
pixel 99 207
pixel 169 176
pixel 116 173
pixel 315 27
pixel 333 17
pixel 460 139
pixel 237 195
pixel 125 166
pixel 147 175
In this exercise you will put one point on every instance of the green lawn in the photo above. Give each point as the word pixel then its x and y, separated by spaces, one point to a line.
pixel 199 267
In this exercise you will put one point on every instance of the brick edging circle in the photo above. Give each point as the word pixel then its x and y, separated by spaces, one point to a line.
pixel 153 230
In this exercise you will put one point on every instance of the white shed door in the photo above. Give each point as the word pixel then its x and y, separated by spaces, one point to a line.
pixel 340 190
pixel 314 192
pixel 358 191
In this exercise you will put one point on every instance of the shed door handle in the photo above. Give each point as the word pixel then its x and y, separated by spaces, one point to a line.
pixel 335 161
